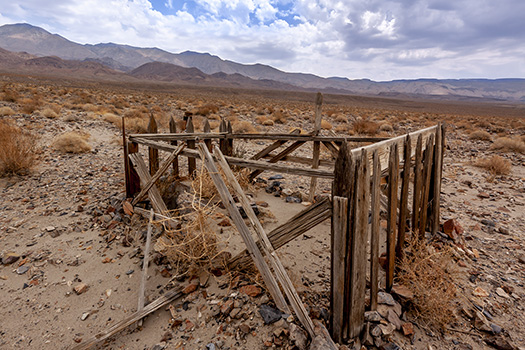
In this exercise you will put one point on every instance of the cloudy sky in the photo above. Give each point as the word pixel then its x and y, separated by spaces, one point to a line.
pixel 376 39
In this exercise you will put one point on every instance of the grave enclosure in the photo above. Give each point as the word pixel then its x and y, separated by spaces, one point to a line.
pixel 396 180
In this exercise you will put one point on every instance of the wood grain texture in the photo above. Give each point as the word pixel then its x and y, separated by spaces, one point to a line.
pixel 153 153
pixel 393 177
pixel 418 183
pixel 374 230
pixel 339 251
pixel 403 201
pixel 192 164
pixel 173 129
pixel 153 193
pixel 425 189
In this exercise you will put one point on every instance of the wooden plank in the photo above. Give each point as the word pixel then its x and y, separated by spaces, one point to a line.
pixel 229 139
pixel 393 174
pixel 438 158
pixel 304 160
pixel 293 228
pixel 223 130
pixel 317 144
pixel 191 145
pixel 142 290
pixel 167 221
pixel 374 231
pixel 126 160
pixel 173 129
pixel 267 248
pixel 207 130
pixel 158 174
pixel 153 153
pixel 153 193
pixel 332 148
pixel 267 150
pixel 403 205
pixel 227 200
pixel 277 157
pixel 425 190
pixel 418 182
pixel 338 256
pixel 358 248
pixel 98 338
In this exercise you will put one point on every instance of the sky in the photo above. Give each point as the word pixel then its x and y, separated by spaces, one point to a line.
pixel 374 39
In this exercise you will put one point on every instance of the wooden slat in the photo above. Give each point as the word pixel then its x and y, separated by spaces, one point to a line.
pixel 374 231
pixel 425 190
pixel 418 183
pixel 332 148
pixel 223 131
pixel 98 338
pixel 293 228
pixel 338 256
pixel 393 174
pixel 267 248
pixel 191 145
pixel 403 204
pixel 267 150
pixel 153 193
pixel 142 290
pixel 358 248
pixel 227 200
pixel 278 157
pixel 153 153
pixel 207 129
pixel 438 152
pixel 173 129
pixel 167 221
pixel 158 174
pixel 317 144
pixel 229 139
pixel 304 160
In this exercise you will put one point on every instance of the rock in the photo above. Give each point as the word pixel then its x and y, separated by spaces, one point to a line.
pixel 499 342
pixel 502 293
pixel 210 346
pixel 504 231
pixel 269 314
pixel 387 329
pixel 80 288
pixel 319 343
pixel 190 288
pixel 227 307
pixel 488 222
pixel 452 229
pixel 128 208
pixel 22 269
pixel 159 346
pixel 251 290
pixel 483 195
pixel 402 291
pixel 204 278
pixel 495 328
pixel 287 192
pixel 291 199
pixel 50 228
pixel 10 258
pixel 376 331
pixel 276 177
pixel 224 223
pixel 254 208
pixel 408 329
pixel 84 316
pixel 389 346
pixel 385 298
pixel 244 328
pixel 298 336
pixel 481 323
pixel 480 292
pixel 393 318
pixel 262 204
pixel 372 316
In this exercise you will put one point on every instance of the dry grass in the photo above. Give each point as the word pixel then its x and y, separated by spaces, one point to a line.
pixel 495 165
pixel 244 126
pixel 49 113
pixel 325 124
pixel 366 127
pixel 480 135
pixel 280 117
pixel 6 111
pixel 17 149
pixel 206 109
pixel 29 105
pixel 507 144
pixel 113 119
pixel 72 142
pixel 428 273
pixel 10 95
pixel 386 127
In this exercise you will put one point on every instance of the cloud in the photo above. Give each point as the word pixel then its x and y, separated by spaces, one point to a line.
pixel 357 39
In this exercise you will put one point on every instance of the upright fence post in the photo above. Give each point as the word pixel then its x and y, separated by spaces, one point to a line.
pixel 418 184
pixel 427 170
pixel 229 139
pixel 192 164
pixel 222 142
pixel 393 174
pixel 374 230
pixel 438 158
pixel 134 179
pixel 403 205
pixel 317 144
pixel 207 129
pixel 173 130
pixel 153 152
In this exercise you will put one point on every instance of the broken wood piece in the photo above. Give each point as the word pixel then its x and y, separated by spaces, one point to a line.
pixel 167 221
pixel 153 193
pixel 142 290
pixel 98 338
pixel 158 174
pixel 278 157
pixel 273 146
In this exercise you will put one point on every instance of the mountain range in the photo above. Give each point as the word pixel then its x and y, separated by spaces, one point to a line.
pixel 28 49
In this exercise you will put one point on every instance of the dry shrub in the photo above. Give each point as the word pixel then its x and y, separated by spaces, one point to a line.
pixel 495 165
pixel 29 105
pixel 263 119
pixel 366 127
pixel 17 149
pixel 72 142
pixel 428 272
pixel 507 144
pixel 5 111
pixel 280 117
pixel 113 119
pixel 344 129
pixel 481 135
pixel 386 127
pixel 206 109
pixel 325 124
pixel 49 113
pixel 341 118
pixel 10 95
pixel 243 126
pixel 203 184
pixel 137 125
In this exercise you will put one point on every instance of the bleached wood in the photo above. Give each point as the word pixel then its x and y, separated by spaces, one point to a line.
pixel 339 252
pixel 153 193
pixel 374 231
pixel 393 175
pixel 144 277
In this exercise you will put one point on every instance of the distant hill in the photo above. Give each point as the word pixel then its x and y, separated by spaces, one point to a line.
pixel 124 58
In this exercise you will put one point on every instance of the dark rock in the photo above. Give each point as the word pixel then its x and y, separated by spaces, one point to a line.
pixel 495 328
pixel 291 199
pixel 159 346
pixel 10 258
pixel 389 346
pixel 499 342
pixel 488 222
pixel 22 269
pixel 385 298
pixel 276 177
pixel 269 314
pixel 254 208
pixel 372 316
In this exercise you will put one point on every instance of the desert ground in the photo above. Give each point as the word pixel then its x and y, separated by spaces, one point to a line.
pixel 72 256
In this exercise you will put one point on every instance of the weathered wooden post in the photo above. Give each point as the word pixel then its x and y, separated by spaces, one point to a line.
pixel 222 142
pixel 134 179
pixel 192 164
pixel 207 130
pixel 393 174
pixel 427 172
pixel 173 130
pixel 229 139
pixel 438 166
pixel 317 144
pixel 374 230
pixel 153 152
pixel 403 205
pixel 418 184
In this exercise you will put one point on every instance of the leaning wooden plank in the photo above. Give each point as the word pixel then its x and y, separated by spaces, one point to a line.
pixel 167 221
pixel 120 326
pixel 173 129
pixel 267 247
pixel 374 231
pixel 245 163
pixel 403 204
pixel 256 255
pixel 358 249
pixel 293 228
pixel 332 148
pixel 339 249
pixel 153 194
pixel 437 180
pixel 427 171
pixel 392 216
pixel 278 157
pixel 153 153
pixel 158 174
pixel 142 290
pixel 273 146
pixel 305 160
